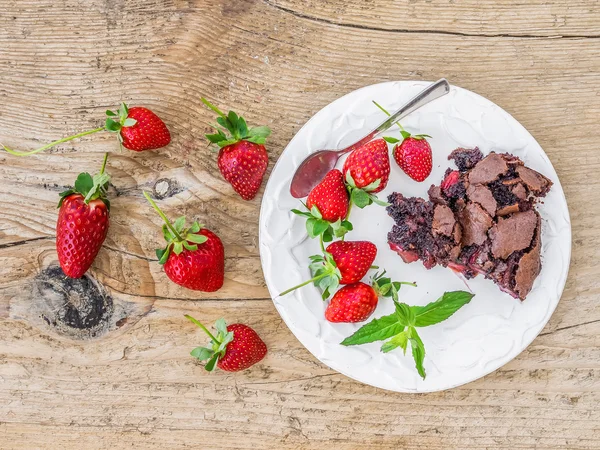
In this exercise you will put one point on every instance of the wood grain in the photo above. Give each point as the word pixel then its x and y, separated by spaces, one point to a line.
pixel 75 375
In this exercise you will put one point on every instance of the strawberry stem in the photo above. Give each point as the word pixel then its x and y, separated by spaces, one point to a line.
pixel 190 318
pixel 388 114
pixel 51 144
pixel 312 280
pixel 321 242
pixel 104 163
pixel 162 215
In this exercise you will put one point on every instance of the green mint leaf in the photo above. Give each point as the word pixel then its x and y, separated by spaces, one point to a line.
pixel 202 353
pixel 196 238
pixel 390 140
pixel 212 362
pixel 441 309
pixel 129 122
pixel 179 224
pixel 400 340
pixel 418 351
pixel 376 330
pixel 360 198
pixel 111 125
pixel 405 314
pixel 84 183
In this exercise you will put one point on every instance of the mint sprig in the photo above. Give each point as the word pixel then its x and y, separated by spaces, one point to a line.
pixel 232 128
pixel 401 326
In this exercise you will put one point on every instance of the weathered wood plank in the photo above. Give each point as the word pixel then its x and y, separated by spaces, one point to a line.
pixel 122 376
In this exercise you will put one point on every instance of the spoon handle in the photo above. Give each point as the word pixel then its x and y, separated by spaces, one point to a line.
pixel 435 90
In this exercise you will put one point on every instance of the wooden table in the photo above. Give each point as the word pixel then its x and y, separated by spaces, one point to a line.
pixel 104 362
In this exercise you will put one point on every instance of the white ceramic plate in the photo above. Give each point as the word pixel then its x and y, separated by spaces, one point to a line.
pixel 483 335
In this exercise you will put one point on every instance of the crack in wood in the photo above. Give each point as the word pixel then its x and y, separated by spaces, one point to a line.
pixel 424 31
pixel 24 241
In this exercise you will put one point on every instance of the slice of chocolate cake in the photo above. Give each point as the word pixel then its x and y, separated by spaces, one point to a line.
pixel 480 220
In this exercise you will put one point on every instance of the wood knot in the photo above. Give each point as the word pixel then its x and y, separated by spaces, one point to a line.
pixel 164 188
pixel 79 308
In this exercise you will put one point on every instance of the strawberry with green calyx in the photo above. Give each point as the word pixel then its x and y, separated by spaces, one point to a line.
pixel 413 153
pixel 136 129
pixel 400 327
pixel 367 172
pixel 328 208
pixel 242 156
pixel 356 302
pixel 343 262
pixel 193 257
pixel 236 347
pixel 83 221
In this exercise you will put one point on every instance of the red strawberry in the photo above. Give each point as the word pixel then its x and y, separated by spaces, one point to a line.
pixel 136 129
pixel 194 257
pixel 353 259
pixel 343 262
pixel 352 303
pixel 244 164
pixel 450 180
pixel 330 197
pixel 243 158
pixel 369 163
pixel 413 155
pixel 236 347
pixel 148 133
pixel 356 302
pixel 83 221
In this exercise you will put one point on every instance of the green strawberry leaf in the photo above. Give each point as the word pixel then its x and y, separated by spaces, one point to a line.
pixel 256 140
pixel 400 340
pixel 196 238
pixel 405 134
pixel 221 326
pixel 376 200
pixel 177 247
pixel 84 183
pixel 123 112
pixel 215 138
pixel 376 330
pixel 196 226
pixel 190 247
pixel 418 350
pixel 441 309
pixel 328 234
pixel 111 125
pixel 301 213
pixel 262 131
pixel 179 224
pixel 212 362
pixel 129 122
pixel 360 198
pixel 391 140
pixel 314 211
pixel 349 180
pixel 202 353
pixel 371 187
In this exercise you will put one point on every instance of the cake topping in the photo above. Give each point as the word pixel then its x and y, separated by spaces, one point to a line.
pixel 513 233
pixel 443 220
pixel 519 191
pixel 488 169
pixel 535 181
pixel 465 158
pixel 482 195
pixel 475 223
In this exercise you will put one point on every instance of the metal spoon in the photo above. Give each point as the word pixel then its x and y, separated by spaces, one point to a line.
pixel 315 166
